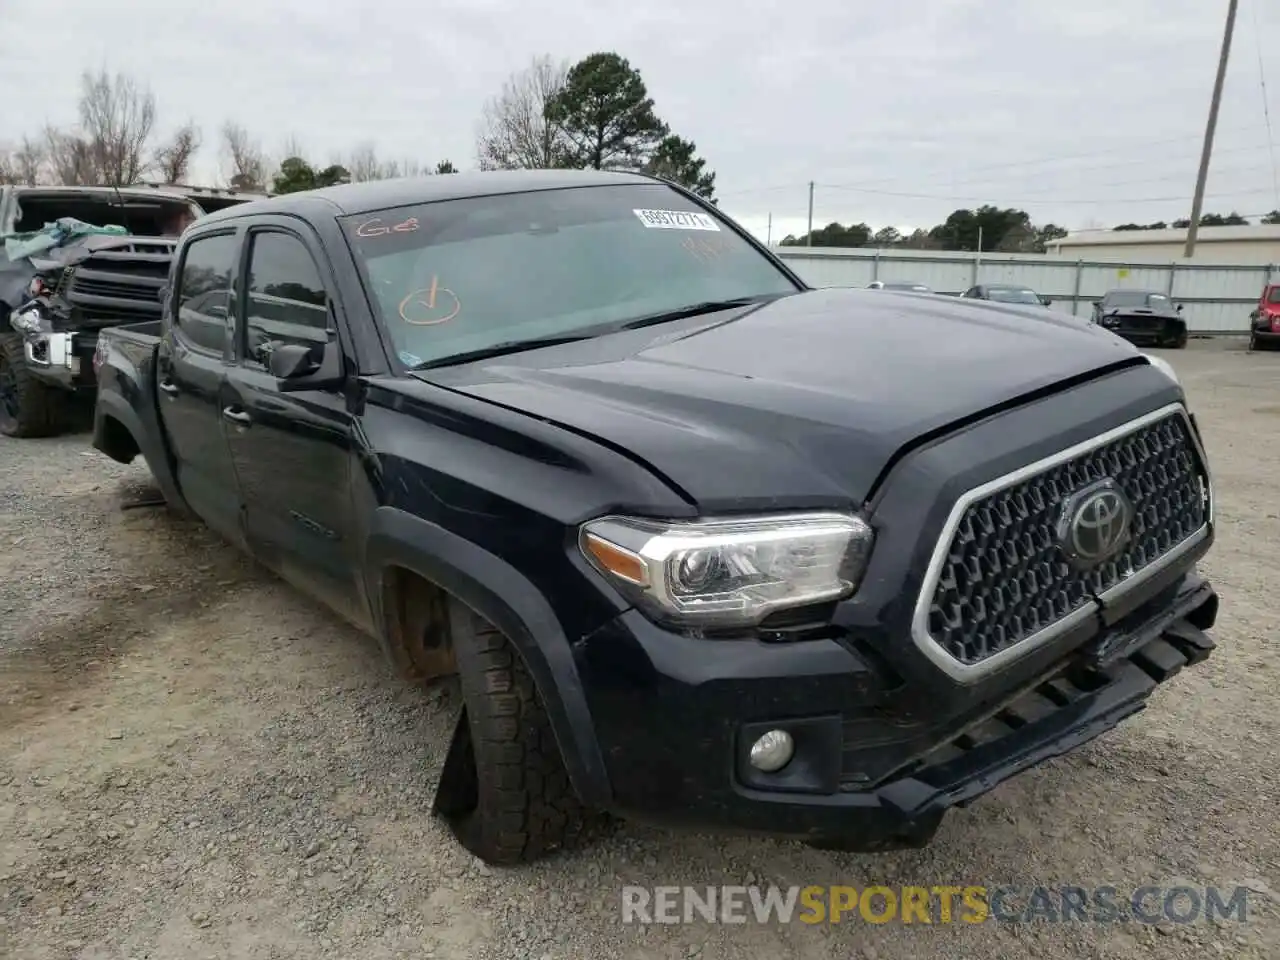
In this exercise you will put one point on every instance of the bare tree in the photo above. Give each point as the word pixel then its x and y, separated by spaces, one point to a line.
pixel 117 117
pixel 173 159
pixel 408 168
pixel 514 132
pixel 364 164
pixel 292 147
pixel 72 158
pixel 247 163
pixel 25 165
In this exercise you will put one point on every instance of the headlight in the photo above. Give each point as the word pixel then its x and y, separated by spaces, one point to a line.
pixel 1164 366
pixel 29 320
pixel 732 572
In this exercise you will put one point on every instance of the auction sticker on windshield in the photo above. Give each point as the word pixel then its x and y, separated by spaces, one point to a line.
pixel 676 220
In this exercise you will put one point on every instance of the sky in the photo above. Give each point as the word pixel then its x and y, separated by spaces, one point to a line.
pixel 1084 113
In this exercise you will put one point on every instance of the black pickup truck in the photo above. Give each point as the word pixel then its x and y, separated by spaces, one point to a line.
pixel 702 545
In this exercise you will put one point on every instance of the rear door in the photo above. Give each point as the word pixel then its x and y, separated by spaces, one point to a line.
pixel 293 451
pixel 191 370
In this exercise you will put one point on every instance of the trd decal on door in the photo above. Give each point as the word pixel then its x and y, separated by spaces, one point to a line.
pixel 313 526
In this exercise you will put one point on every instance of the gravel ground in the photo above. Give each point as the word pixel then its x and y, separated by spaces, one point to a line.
pixel 195 762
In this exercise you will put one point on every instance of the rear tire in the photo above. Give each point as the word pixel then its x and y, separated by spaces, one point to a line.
pixel 28 408
pixel 509 799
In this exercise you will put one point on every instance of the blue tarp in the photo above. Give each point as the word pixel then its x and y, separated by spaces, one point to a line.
pixel 18 246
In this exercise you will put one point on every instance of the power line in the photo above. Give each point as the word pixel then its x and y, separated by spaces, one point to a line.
pixel 1040 201
pixel 1138 161
pixel 1266 110
pixel 1060 158
pixel 1109 183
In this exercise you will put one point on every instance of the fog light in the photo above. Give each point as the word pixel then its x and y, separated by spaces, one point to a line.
pixel 773 751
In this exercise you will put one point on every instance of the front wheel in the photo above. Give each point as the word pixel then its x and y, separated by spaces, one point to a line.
pixel 504 791
pixel 28 408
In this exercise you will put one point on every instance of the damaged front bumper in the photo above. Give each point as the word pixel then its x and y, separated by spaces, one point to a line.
pixel 59 359
pixel 689 763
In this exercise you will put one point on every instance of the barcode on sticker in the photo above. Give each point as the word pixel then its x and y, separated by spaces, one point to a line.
pixel 676 220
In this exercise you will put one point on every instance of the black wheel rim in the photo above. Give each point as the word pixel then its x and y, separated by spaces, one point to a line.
pixel 8 392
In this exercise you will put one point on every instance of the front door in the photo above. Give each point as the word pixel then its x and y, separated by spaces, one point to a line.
pixel 191 370
pixel 292 450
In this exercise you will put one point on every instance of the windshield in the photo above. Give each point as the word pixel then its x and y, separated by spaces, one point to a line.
pixel 1135 298
pixel 458 276
pixel 1274 295
pixel 1012 295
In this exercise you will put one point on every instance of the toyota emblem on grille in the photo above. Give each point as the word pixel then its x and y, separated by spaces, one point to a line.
pixel 1095 523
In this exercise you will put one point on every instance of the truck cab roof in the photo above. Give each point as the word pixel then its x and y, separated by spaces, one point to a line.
pixel 355 198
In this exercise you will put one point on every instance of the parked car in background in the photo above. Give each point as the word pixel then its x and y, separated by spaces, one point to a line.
pixel 1005 293
pixel 898 285
pixel 695 550
pixel 1143 317
pixel 1264 328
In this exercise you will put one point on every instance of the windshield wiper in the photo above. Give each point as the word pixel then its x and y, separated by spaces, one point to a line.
pixel 499 350
pixel 696 310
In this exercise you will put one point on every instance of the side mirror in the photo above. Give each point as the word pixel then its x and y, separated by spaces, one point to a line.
pixel 288 361
pixel 303 366
pixel 1179 308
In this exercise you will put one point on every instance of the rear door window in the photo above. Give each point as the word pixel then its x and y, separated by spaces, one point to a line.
pixel 204 292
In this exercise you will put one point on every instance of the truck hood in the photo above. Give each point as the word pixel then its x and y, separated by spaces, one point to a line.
pixel 804 400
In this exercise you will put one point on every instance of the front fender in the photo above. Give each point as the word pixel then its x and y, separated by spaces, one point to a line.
pixel 505 597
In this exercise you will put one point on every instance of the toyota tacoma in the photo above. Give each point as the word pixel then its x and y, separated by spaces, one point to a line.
pixel 701 544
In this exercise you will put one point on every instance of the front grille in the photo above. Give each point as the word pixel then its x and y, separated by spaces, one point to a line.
pixel 116 286
pixel 1142 323
pixel 1005 577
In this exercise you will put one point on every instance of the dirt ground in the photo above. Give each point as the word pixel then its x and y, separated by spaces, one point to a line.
pixel 195 762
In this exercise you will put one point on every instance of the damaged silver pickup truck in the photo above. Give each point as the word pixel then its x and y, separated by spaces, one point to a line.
pixel 75 260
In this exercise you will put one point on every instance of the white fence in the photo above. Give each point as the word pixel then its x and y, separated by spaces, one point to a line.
pixel 1216 297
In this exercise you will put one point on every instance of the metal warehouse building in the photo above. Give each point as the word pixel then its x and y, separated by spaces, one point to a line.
pixel 1238 245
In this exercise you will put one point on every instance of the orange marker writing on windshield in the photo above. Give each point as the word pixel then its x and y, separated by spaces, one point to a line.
pixel 449 305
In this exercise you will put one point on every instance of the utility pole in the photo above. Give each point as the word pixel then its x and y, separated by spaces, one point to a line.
pixel 1197 204
pixel 768 236
pixel 808 240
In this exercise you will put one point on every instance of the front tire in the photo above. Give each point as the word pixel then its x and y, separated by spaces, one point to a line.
pixel 28 408
pixel 505 791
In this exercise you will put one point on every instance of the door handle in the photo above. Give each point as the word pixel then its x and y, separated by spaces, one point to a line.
pixel 170 388
pixel 238 417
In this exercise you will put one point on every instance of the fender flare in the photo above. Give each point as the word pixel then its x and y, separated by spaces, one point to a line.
pixel 505 597
pixel 115 406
